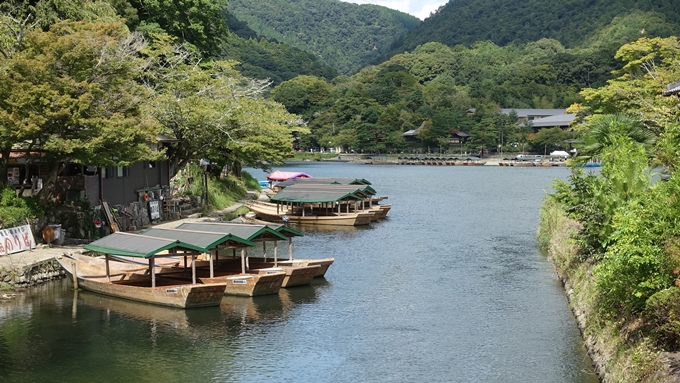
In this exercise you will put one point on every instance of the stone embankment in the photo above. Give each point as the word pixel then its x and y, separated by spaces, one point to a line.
pixel 30 268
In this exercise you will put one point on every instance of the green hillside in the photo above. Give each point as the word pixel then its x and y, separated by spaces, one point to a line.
pixel 262 58
pixel 573 23
pixel 344 36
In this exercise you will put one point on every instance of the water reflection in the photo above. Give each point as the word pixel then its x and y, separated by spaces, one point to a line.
pixel 449 288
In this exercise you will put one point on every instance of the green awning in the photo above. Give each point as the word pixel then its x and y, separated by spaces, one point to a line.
pixel 135 245
pixel 254 233
pixel 313 195
pixel 205 240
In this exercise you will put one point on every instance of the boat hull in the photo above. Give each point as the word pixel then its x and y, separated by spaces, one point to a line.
pixel 134 286
pixel 296 274
pixel 250 284
pixel 270 214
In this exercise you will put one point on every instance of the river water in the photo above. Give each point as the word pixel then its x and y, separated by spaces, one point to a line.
pixel 450 288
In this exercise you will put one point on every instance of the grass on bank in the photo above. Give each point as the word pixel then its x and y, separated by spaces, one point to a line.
pixel 622 351
pixel 222 192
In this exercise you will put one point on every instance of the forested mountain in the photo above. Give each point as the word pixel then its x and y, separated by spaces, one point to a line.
pixel 262 58
pixel 573 23
pixel 344 36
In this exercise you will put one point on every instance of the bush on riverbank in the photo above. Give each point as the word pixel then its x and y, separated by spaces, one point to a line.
pixel 621 350
pixel 14 211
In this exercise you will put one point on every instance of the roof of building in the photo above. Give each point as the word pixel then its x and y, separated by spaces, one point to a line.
pixel 414 132
pixel 672 89
pixel 136 245
pixel 525 113
pixel 557 120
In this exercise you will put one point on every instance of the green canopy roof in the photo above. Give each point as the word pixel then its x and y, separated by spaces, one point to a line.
pixel 205 240
pixel 360 189
pixel 323 181
pixel 254 233
pixel 135 245
pixel 301 194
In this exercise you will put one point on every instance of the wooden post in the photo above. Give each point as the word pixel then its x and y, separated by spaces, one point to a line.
pixel 247 261
pixel 152 265
pixel 290 249
pixel 212 268
pixel 193 269
pixel 108 271
pixel 243 261
pixel 264 250
pixel 276 254
pixel 75 276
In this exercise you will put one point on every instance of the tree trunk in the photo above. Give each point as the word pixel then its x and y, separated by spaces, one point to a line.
pixel 48 192
pixel 4 159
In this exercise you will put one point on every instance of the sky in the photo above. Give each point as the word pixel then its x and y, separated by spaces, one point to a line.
pixel 418 8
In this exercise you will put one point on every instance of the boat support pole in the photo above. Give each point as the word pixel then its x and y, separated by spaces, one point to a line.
pixel 276 254
pixel 152 265
pixel 108 271
pixel 193 269
pixel 290 249
pixel 243 261
pixel 212 268
pixel 264 250
pixel 75 276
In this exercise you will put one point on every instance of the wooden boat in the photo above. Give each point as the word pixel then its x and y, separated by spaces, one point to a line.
pixel 137 285
pixel 269 212
pixel 239 280
pixel 323 263
pixel 296 274
pixel 289 274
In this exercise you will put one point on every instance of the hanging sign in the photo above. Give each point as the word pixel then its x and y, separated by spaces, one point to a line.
pixel 154 210
pixel 16 239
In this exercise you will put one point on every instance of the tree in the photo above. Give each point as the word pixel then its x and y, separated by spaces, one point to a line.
pixel 71 92
pixel 198 22
pixel 214 112
pixel 302 95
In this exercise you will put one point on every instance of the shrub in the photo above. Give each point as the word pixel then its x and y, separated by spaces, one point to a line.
pixel 662 314
pixel 15 210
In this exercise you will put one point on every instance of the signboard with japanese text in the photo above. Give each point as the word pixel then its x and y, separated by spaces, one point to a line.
pixel 154 210
pixel 16 239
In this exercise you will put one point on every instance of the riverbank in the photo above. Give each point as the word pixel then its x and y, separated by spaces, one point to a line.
pixel 29 268
pixel 618 355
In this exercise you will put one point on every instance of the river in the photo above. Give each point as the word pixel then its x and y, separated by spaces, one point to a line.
pixel 450 288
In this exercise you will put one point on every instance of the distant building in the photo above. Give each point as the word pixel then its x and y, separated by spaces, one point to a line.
pixel 672 89
pixel 524 115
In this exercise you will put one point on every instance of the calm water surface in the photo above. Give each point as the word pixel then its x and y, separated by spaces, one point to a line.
pixel 450 288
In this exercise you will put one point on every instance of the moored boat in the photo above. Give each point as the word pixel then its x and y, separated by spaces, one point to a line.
pixel 323 263
pixel 239 279
pixel 296 273
pixel 135 283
